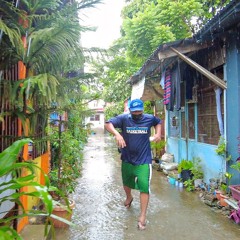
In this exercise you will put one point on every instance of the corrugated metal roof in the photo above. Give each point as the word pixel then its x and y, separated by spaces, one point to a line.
pixel 153 62
pixel 225 19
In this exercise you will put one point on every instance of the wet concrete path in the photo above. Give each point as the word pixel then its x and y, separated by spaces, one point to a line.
pixel 172 213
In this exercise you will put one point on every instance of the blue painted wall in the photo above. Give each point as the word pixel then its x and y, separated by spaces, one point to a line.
pixel 215 166
pixel 233 102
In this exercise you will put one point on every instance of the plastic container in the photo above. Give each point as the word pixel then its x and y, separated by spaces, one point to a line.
pixel 235 192
pixel 172 180
pixel 186 174
pixel 180 185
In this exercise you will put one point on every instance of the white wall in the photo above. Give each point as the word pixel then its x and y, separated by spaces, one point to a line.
pixel 98 107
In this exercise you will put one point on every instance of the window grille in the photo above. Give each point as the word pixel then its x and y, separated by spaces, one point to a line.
pixel 208 128
pixel 95 117
pixel 174 124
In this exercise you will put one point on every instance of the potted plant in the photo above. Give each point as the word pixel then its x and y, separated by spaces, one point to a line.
pixel 223 194
pixel 66 168
pixel 197 172
pixel 157 148
pixel 184 168
pixel 224 189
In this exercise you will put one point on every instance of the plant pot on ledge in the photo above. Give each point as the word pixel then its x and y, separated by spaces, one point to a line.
pixel 222 200
pixel 186 175
pixel 218 193
pixel 63 211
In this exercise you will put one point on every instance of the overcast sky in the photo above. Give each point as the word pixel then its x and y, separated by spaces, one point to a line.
pixel 106 17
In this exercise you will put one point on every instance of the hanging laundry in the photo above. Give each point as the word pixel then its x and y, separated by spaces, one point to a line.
pixel 218 92
pixel 175 96
pixel 167 87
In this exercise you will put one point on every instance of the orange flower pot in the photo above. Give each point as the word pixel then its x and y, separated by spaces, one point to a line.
pixel 222 202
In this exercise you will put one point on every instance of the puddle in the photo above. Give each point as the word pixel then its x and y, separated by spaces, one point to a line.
pixel 173 213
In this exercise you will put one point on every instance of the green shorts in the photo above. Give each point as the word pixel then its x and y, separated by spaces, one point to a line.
pixel 137 176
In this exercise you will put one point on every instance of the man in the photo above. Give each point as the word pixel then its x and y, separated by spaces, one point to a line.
pixel 136 152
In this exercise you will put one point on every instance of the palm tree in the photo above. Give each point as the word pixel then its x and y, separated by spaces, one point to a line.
pixel 50 49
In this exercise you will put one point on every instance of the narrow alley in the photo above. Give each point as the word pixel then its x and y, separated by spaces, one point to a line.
pixel 173 213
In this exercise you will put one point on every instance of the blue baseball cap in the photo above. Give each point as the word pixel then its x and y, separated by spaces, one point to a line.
pixel 136 105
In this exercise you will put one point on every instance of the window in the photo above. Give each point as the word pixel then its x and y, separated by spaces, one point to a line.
pixel 174 124
pixel 95 117
pixel 208 127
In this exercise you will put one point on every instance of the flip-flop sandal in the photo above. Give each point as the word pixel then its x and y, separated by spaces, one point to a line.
pixel 129 204
pixel 141 226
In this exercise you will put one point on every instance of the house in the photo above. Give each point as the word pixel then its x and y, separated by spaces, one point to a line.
pixel 198 82
pixel 96 120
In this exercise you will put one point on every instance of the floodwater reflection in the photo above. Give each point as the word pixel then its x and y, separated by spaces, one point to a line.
pixel 173 213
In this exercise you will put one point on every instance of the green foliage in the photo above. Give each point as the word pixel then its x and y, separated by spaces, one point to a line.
pixel 197 170
pixel 113 110
pixel 157 147
pixel 236 166
pixel 221 149
pixel 189 185
pixel 10 166
pixel 53 57
pixel 228 176
pixel 113 75
pixel 223 187
pixel 67 148
pixel 158 23
pixel 148 107
pixel 210 9
pixel 185 165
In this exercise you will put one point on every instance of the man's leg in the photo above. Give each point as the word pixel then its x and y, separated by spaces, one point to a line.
pixel 128 182
pixel 144 174
pixel 129 197
pixel 144 199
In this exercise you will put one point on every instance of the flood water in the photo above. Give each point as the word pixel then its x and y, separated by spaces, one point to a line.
pixel 172 214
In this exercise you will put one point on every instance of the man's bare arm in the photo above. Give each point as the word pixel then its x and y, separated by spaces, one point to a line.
pixel 157 135
pixel 119 139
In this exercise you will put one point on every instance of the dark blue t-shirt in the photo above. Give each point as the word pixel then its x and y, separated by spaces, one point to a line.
pixel 136 135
